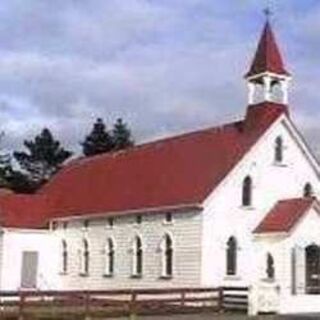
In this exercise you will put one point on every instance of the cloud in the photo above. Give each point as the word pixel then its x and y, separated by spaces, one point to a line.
pixel 164 66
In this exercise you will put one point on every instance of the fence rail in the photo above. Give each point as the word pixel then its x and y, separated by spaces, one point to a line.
pixel 112 303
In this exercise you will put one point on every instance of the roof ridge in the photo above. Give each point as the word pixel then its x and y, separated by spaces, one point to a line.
pixel 83 159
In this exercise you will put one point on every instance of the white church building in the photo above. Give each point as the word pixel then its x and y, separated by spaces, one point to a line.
pixel 232 205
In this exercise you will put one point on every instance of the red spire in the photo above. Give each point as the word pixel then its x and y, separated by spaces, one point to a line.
pixel 267 57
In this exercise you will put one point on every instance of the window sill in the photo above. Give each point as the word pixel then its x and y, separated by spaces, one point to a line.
pixel 280 164
pixel 136 276
pixel 266 280
pixel 165 277
pixel 63 273
pixel 232 278
pixel 108 275
pixel 247 208
pixel 167 223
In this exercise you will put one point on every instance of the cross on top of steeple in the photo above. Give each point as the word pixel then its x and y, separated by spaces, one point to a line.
pixel 267 11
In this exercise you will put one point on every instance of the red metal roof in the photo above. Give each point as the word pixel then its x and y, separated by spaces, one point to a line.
pixel 23 211
pixel 284 215
pixel 173 172
pixel 181 170
pixel 267 57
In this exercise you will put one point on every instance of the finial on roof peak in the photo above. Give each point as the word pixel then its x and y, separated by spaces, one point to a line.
pixel 268 13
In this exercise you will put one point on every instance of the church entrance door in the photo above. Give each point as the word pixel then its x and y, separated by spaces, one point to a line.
pixel 313 269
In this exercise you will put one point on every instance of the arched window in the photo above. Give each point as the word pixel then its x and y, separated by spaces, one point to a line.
pixel 137 257
pixel 247 191
pixel 270 267
pixel 312 269
pixel 232 249
pixel 109 258
pixel 167 256
pixel 278 151
pixel 64 257
pixel 307 190
pixel 84 257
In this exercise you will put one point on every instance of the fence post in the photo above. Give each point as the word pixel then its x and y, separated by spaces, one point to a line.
pixel 133 306
pixel 253 305
pixel 21 305
pixel 183 297
pixel 87 305
pixel 220 299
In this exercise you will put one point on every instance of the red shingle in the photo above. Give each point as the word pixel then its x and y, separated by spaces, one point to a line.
pixel 284 215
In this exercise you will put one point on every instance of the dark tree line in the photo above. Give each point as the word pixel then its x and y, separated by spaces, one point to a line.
pixel 27 170
pixel 100 140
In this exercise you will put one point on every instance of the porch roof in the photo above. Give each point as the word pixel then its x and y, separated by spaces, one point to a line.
pixel 284 215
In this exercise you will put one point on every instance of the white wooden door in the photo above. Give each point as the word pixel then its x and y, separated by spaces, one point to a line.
pixel 29 269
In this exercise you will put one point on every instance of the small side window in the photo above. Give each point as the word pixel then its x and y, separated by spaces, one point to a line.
pixel 231 255
pixel 270 267
pixel 64 257
pixel 168 217
pixel 247 191
pixel 109 258
pixel 278 152
pixel 54 225
pixel 167 257
pixel 110 222
pixel 86 224
pixel 308 190
pixel 139 219
pixel 84 256
pixel 137 262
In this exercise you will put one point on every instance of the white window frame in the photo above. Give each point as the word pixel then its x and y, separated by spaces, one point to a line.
pixel 108 251
pixel 165 221
pixel 278 150
pixel 64 256
pixel 135 273
pixel 84 258
pixel 163 252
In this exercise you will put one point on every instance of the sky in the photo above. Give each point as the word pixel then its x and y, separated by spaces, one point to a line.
pixel 164 66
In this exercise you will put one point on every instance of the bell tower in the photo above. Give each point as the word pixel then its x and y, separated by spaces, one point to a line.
pixel 268 80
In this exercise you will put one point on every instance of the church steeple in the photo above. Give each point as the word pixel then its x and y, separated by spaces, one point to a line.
pixel 267 73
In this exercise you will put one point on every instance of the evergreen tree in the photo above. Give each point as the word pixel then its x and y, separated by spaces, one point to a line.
pixel 5 166
pixel 20 182
pixel 98 141
pixel 121 135
pixel 43 158
pixel 5 170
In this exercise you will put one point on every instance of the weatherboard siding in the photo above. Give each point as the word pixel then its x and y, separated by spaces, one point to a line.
pixel 186 234
pixel 224 216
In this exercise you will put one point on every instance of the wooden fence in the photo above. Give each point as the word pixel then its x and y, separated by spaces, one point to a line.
pixel 113 303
